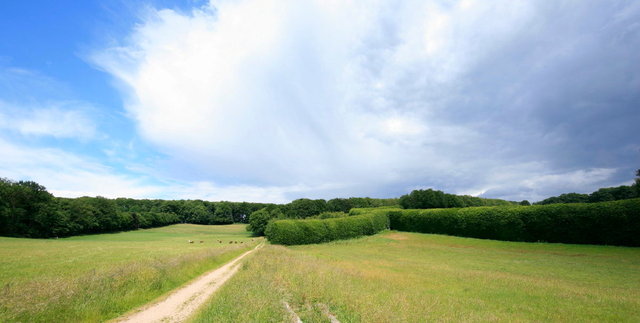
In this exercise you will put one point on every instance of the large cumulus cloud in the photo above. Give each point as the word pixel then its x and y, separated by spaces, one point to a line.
pixel 352 98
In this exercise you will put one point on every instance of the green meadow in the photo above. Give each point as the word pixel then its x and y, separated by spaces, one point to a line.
pixel 412 277
pixel 94 278
pixel 388 277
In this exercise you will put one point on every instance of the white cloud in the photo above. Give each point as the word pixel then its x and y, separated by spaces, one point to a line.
pixel 70 175
pixel 352 94
pixel 60 120
pixel 268 92
pixel 535 181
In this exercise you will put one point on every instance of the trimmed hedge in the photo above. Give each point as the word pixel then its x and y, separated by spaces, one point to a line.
pixel 609 223
pixel 329 215
pixel 293 232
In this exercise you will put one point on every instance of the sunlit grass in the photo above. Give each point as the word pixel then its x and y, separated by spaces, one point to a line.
pixel 97 277
pixel 411 277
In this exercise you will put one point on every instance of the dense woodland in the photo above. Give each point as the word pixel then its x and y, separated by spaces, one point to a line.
pixel 28 210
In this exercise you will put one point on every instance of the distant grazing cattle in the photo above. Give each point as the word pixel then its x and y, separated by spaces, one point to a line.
pixel 190 241
pixel 201 241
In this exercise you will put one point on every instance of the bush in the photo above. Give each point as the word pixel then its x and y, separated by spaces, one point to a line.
pixel 612 223
pixel 329 215
pixel 293 232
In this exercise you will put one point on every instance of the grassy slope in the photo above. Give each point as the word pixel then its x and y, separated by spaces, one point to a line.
pixel 97 277
pixel 411 277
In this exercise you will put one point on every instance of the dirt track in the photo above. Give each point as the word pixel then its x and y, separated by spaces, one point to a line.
pixel 183 302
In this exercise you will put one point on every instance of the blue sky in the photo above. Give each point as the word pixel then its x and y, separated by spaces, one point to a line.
pixel 264 100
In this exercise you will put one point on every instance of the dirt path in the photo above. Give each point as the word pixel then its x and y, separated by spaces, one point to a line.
pixel 180 304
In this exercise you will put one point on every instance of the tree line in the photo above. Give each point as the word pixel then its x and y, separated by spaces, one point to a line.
pixel 606 194
pixel 28 210
pixel 602 195
pixel 433 199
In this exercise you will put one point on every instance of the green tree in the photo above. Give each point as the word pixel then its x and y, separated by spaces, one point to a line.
pixel 566 198
pixel 339 205
pixel 304 208
pixel 223 213
pixel 258 220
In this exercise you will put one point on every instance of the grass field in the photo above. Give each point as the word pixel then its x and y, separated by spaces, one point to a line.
pixel 412 277
pixel 97 277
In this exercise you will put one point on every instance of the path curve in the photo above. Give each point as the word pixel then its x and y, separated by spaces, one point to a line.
pixel 183 302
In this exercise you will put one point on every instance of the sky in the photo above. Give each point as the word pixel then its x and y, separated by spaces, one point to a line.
pixel 272 100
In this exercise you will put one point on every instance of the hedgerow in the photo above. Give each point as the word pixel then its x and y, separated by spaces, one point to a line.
pixel 329 215
pixel 293 232
pixel 611 223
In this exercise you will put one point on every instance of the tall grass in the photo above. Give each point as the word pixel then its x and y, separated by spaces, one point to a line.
pixel 95 278
pixel 409 277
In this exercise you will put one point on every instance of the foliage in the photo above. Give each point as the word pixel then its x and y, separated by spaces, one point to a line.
pixel 292 232
pixel 345 205
pixel 622 192
pixel 25 208
pixel 312 209
pixel 223 214
pixel 611 223
pixel 566 198
pixel 28 210
pixel 304 208
pixel 330 215
pixel 258 220
pixel 429 199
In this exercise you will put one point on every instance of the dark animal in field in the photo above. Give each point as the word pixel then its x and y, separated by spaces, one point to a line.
pixel 201 241
pixel 190 241
pixel 230 242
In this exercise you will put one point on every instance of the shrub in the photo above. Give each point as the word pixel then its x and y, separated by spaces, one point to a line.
pixel 329 215
pixel 612 223
pixel 293 232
